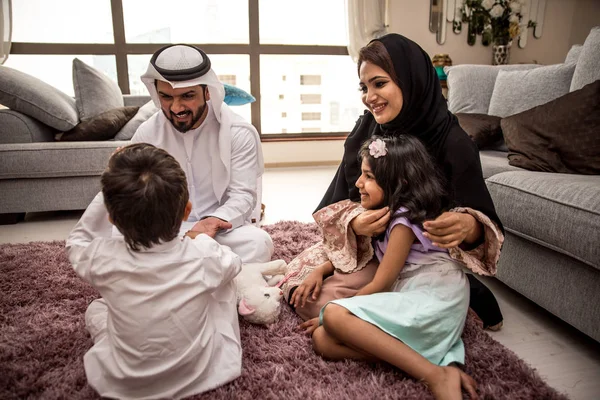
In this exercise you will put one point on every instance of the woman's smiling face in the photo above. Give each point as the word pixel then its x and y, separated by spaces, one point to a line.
pixel 381 95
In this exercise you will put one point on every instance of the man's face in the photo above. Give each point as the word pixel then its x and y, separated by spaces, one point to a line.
pixel 184 107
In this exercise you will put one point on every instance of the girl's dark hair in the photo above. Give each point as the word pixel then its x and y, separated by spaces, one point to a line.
pixel 145 192
pixel 408 176
pixel 376 53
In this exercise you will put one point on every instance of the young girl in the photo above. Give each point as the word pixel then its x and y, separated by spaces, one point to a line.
pixel 401 94
pixel 411 314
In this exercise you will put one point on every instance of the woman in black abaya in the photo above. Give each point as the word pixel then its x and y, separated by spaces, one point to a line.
pixel 422 113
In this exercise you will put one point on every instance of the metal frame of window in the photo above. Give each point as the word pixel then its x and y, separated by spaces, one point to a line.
pixel 120 49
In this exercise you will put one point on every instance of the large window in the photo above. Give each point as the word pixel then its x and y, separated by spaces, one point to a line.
pixel 291 56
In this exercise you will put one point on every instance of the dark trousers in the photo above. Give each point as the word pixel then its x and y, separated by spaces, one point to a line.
pixel 484 303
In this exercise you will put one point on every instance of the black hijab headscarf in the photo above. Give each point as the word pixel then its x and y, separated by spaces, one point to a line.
pixel 425 115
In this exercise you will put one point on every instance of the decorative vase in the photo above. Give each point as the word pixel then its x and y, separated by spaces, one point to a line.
pixel 501 53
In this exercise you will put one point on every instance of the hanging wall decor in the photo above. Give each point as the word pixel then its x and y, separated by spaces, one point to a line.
pixel 498 22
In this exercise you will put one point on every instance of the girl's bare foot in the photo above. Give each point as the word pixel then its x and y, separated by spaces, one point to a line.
pixel 448 382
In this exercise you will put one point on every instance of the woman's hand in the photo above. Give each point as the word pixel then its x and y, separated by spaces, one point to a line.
pixel 452 229
pixel 371 222
pixel 312 284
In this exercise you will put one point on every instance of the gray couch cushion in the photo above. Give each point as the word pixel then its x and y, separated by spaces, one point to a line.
pixel 518 91
pixel 470 86
pixel 588 63
pixel 558 211
pixel 493 162
pixel 573 54
pixel 95 92
pixel 20 128
pixel 35 98
pixel 54 160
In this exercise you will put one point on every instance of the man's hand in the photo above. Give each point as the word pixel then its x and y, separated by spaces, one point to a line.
pixel 371 222
pixel 451 229
pixel 310 326
pixel 211 226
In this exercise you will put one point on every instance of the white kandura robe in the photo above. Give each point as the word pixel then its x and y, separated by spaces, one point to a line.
pixel 222 167
pixel 167 323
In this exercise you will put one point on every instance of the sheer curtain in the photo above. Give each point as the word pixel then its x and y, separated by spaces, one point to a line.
pixel 367 20
pixel 5 29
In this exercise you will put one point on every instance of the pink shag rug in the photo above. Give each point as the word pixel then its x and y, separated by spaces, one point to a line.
pixel 43 340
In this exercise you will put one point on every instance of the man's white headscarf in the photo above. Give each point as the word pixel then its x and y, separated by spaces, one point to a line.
pixel 181 66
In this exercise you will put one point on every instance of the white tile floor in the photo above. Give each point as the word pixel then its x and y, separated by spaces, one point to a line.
pixel 568 360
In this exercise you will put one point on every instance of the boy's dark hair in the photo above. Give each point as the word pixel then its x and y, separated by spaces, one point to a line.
pixel 145 193
pixel 408 176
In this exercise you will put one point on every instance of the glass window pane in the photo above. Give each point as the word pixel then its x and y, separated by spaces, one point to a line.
pixel 232 67
pixel 189 21
pixel 62 21
pixel 57 70
pixel 321 22
pixel 332 105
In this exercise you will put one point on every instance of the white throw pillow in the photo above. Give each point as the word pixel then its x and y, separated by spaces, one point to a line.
pixel 573 54
pixel 588 63
pixel 470 86
pixel 517 91
pixel 145 112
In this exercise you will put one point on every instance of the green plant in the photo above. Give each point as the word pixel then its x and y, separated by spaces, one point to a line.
pixel 497 21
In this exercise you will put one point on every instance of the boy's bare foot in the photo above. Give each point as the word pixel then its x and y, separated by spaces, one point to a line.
pixel 447 384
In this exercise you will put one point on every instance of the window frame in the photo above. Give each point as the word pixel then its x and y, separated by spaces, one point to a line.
pixel 121 49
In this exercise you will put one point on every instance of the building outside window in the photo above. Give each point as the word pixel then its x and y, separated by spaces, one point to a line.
pixel 310 98
pixel 310 79
pixel 229 79
pixel 311 116
pixel 298 72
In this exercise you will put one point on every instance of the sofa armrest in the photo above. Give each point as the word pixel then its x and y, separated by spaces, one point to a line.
pixel 16 127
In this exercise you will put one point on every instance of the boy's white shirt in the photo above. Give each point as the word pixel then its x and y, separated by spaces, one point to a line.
pixel 172 325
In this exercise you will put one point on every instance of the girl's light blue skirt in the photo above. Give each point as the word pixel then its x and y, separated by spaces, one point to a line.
pixel 426 309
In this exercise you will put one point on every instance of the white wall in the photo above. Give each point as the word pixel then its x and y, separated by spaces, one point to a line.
pixel 310 152
pixel 566 22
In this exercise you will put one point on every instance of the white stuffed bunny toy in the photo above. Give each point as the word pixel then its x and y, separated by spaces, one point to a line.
pixel 259 300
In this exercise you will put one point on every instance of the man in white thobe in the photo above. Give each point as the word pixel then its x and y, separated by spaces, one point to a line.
pixel 220 152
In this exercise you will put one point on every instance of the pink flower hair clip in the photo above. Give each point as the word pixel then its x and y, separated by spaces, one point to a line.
pixel 377 148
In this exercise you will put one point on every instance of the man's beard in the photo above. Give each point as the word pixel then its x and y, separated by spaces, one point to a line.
pixel 183 126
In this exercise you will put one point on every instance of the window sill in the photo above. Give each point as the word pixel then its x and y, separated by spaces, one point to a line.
pixel 284 137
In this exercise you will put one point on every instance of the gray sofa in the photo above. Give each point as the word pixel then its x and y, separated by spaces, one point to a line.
pixel 39 174
pixel 551 252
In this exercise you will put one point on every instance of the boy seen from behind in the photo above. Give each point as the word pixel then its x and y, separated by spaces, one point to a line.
pixel 166 325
